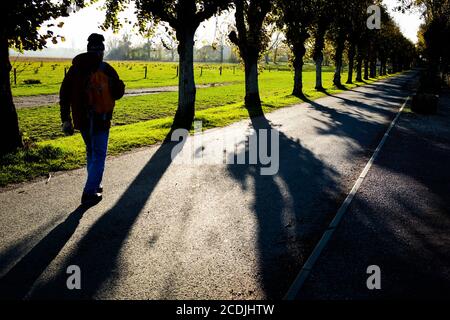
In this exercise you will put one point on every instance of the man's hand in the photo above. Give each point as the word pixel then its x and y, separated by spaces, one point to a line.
pixel 67 128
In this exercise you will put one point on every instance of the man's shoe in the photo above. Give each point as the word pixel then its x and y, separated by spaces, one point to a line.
pixel 91 199
pixel 100 189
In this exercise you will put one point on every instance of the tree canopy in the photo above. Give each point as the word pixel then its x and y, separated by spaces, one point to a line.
pixel 21 21
pixel 184 16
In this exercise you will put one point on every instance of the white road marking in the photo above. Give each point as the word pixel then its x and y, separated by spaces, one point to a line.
pixel 309 264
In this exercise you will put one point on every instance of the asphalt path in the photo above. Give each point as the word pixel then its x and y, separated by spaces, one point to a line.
pixel 181 230
pixel 398 221
pixel 50 99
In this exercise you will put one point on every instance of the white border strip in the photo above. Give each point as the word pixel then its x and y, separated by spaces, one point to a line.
pixel 309 264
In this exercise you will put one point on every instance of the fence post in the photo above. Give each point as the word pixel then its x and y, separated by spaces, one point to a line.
pixel 220 70
pixel 145 72
pixel 234 69
pixel 65 71
pixel 177 72
pixel 15 76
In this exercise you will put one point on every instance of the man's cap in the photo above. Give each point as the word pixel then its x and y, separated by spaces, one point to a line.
pixel 95 42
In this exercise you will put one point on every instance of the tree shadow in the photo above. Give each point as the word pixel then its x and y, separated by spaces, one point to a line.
pixel 389 99
pixel 408 244
pixel 357 123
pixel 341 87
pixel 294 206
pixel 421 155
pixel 353 125
pixel 16 283
pixel 360 81
pixel 400 217
pixel 97 252
pixel 286 205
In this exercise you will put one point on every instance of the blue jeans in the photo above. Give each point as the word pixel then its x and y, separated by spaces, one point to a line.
pixel 96 141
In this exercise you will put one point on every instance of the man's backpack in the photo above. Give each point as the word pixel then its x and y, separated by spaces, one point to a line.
pixel 99 95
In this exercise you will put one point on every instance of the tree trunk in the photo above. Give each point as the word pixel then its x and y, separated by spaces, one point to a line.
pixel 252 98
pixel 338 60
pixel 221 53
pixel 275 55
pixel 11 138
pixel 186 83
pixel 298 80
pixel 319 73
pixel 351 60
pixel 337 74
pixel 400 65
pixel 298 70
pixel 394 66
pixel 149 50
pixel 366 69
pixel 373 68
pixel 382 63
pixel 318 54
pixel 359 66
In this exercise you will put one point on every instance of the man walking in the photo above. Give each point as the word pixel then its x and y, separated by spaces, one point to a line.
pixel 87 96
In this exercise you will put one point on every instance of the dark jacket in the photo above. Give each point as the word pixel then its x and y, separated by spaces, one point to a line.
pixel 73 95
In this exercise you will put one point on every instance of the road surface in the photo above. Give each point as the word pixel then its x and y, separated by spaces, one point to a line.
pixel 168 230
pixel 399 220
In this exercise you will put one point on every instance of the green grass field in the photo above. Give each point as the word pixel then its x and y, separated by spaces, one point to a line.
pixel 51 73
pixel 159 74
pixel 144 120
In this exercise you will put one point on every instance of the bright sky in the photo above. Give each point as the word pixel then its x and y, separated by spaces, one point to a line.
pixel 409 22
pixel 81 24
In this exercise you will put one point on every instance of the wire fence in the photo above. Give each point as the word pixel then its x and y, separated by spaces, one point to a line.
pixel 40 72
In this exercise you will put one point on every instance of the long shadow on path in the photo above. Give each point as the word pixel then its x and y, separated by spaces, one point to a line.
pixel 18 281
pixel 287 205
pixel 98 250
pixel 294 207
pixel 401 219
